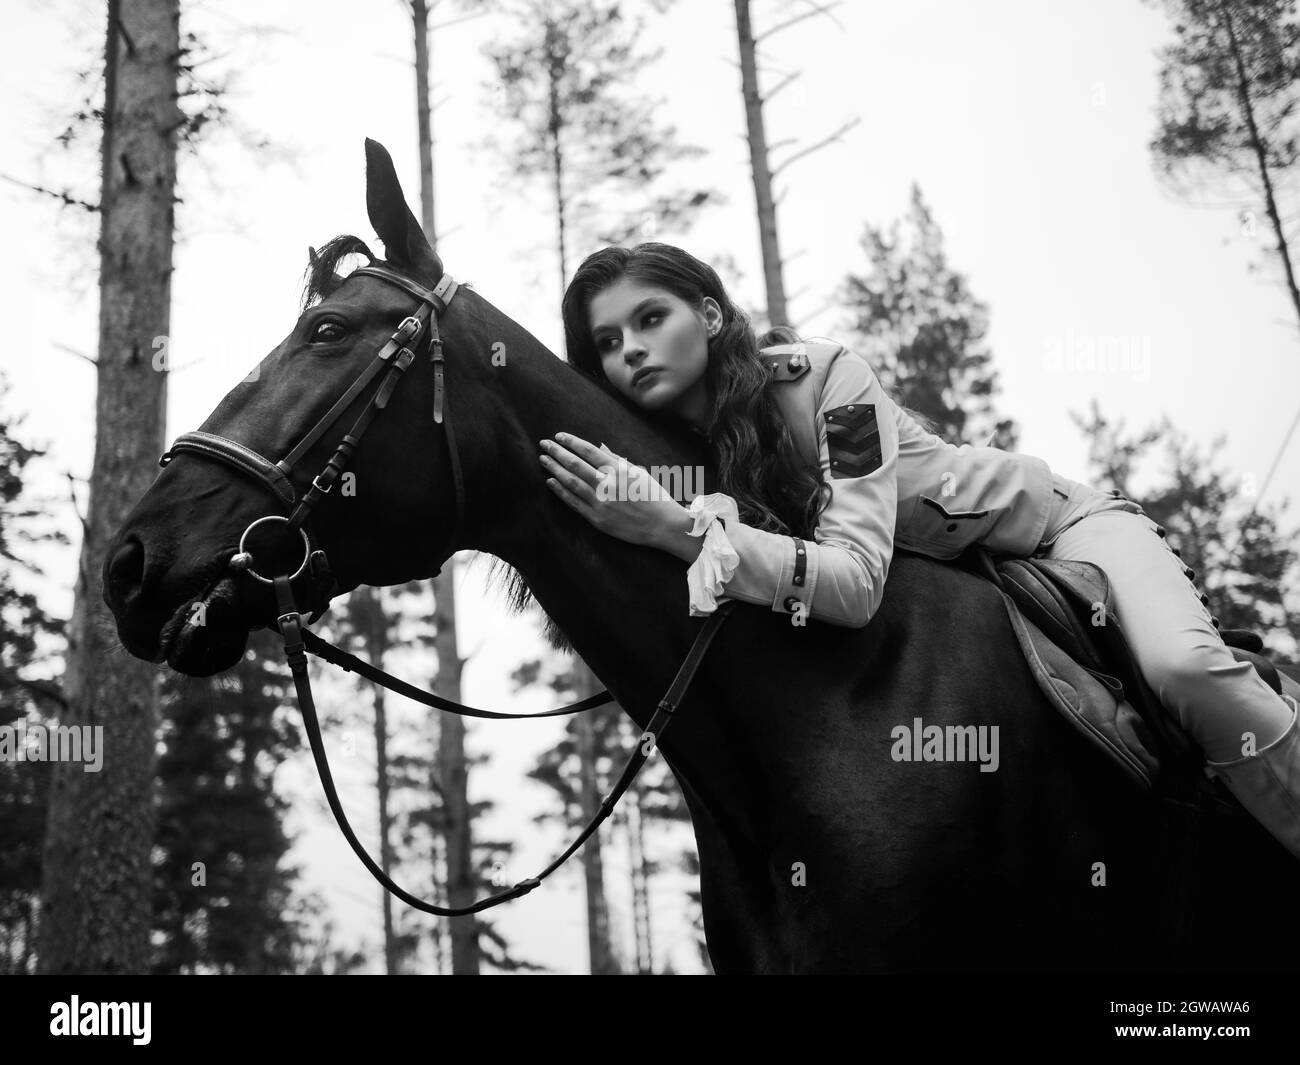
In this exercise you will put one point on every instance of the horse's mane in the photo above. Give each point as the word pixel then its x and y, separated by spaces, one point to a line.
pixel 519 597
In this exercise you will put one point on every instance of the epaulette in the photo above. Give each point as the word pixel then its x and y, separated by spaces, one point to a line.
pixel 786 362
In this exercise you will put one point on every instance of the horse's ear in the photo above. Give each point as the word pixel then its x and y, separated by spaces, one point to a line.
pixel 404 241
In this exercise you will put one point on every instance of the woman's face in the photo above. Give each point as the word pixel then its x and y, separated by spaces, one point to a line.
pixel 639 327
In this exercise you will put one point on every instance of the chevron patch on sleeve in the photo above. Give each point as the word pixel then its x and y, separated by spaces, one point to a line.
pixel 853 439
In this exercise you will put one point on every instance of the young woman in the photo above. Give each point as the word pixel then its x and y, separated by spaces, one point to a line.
pixel 657 324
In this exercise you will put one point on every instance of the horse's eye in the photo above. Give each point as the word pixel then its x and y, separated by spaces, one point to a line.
pixel 327 333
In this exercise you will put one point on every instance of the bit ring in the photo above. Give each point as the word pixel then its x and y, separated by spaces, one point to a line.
pixel 243 561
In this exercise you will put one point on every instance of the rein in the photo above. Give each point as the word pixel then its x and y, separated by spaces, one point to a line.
pixel 390 363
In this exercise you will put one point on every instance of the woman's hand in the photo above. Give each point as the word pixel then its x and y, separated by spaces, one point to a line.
pixel 617 497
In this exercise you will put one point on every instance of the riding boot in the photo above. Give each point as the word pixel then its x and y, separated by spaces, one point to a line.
pixel 1267 783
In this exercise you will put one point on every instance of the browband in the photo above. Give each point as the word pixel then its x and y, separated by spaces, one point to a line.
pixel 439 296
pixel 392 359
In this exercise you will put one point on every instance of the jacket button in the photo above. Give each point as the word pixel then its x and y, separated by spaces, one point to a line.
pixel 1160 531
pixel 1215 622
pixel 796 361
pixel 791 602
pixel 850 408
pixel 1189 572
pixel 1176 551
pixel 952 526
pixel 1205 598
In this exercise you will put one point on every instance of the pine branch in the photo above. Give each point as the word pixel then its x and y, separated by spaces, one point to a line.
pixel 46 689
pixel 65 197
pixel 79 354
pixel 820 144
pixel 817 9
pixel 779 86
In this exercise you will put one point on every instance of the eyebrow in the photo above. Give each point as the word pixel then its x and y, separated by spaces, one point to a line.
pixel 635 311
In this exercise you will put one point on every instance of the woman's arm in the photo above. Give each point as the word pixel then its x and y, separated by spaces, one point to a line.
pixel 838 576
pixel 677 539
pixel 841 576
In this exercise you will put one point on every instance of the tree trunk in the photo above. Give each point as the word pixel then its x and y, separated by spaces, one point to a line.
pixel 600 951
pixel 424 117
pixel 96 904
pixel 453 770
pixel 1274 217
pixel 757 137
pixel 556 123
pixel 599 947
pixel 376 633
pixel 640 869
pixel 1261 158
pixel 453 777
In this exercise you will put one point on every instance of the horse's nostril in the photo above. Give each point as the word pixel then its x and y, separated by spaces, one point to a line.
pixel 125 572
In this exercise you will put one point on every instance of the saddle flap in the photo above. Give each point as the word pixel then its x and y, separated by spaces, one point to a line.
pixel 1083 583
pixel 1068 603
pixel 1067 599
pixel 1094 709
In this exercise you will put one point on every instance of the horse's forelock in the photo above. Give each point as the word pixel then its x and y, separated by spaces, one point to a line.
pixel 322 276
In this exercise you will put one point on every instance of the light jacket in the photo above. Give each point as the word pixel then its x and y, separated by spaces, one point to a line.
pixel 892 482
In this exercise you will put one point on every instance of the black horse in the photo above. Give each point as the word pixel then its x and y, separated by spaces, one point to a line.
pixel 820 850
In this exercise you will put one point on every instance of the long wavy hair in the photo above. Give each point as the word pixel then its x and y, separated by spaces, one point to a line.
pixel 757 462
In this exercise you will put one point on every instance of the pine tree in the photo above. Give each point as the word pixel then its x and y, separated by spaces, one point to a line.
pixel 222 895
pixel 411 800
pixel 567 96
pixel 916 320
pixel 28 637
pixel 453 847
pixel 763 169
pixel 1228 96
pixel 654 798
pixel 1248 567
pixel 96 869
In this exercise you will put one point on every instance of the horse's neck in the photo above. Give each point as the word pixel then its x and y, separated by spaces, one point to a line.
pixel 624 608
pixel 609 597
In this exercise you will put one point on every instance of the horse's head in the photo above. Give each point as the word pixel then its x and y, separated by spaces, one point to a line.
pixel 168 575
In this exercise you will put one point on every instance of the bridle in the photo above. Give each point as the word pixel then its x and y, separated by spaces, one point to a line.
pixel 390 361
pixel 389 364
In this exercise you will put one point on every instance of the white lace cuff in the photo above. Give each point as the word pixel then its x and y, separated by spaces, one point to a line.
pixel 717 559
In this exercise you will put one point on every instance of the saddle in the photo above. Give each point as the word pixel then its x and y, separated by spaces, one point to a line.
pixel 1061 612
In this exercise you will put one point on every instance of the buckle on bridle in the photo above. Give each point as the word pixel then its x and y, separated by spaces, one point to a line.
pixel 407 331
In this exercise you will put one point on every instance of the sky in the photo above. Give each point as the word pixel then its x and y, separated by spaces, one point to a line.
pixel 1026 126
